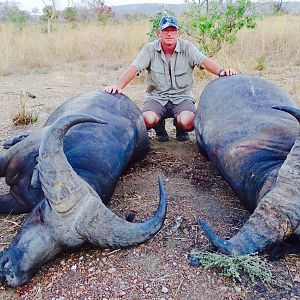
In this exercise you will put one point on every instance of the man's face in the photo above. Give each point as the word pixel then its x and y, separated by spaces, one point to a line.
pixel 168 36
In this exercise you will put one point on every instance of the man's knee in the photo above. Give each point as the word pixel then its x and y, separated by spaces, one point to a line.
pixel 186 120
pixel 150 118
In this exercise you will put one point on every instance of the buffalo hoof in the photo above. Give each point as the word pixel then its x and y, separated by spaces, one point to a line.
pixel 14 140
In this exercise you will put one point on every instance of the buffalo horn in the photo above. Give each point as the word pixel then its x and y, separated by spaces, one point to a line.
pixel 69 194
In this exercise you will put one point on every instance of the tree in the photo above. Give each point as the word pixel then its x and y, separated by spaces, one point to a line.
pixel 50 15
pixel 165 11
pixel 103 12
pixel 219 24
pixel 8 9
pixel 20 19
pixel 279 7
pixel 70 14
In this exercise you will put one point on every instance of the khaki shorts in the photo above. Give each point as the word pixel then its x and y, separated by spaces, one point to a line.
pixel 170 110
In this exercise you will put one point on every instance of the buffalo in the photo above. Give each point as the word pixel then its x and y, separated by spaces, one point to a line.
pixel 65 174
pixel 249 129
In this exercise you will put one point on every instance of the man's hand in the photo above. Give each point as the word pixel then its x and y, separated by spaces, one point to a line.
pixel 227 72
pixel 214 68
pixel 112 89
pixel 124 79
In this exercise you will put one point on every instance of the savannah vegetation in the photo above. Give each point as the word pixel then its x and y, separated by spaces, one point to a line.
pixel 257 44
pixel 91 36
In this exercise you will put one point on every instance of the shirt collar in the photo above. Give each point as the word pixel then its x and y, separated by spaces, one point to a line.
pixel 157 46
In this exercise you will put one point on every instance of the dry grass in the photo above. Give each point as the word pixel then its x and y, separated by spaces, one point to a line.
pixel 31 48
pixel 11 226
pixel 24 116
pixel 274 41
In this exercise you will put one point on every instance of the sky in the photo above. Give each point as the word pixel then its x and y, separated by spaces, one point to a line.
pixel 60 4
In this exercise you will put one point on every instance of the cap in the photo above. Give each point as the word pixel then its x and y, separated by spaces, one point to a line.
pixel 167 21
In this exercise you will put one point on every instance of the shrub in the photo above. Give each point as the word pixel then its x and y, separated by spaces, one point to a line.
pixel 70 14
pixel 24 117
pixel 233 266
pixel 220 24
pixel 20 19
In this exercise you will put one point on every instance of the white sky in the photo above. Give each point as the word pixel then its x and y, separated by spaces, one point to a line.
pixel 30 4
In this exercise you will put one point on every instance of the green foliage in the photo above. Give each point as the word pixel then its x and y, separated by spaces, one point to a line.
pixel 103 18
pixel 234 266
pixel 165 11
pixel 48 26
pixel 20 20
pixel 69 14
pixel 220 25
pixel 34 118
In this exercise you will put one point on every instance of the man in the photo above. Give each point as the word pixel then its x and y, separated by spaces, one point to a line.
pixel 170 62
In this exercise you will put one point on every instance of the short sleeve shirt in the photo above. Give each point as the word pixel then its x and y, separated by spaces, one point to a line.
pixel 169 80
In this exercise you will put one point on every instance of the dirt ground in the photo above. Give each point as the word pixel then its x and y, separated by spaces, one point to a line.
pixel 158 269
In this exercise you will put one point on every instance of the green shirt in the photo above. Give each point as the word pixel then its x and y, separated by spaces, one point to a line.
pixel 171 81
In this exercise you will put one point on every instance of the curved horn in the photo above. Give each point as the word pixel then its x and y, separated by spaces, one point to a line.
pixel 105 229
pixel 291 110
pixel 60 183
pixel 277 215
pixel 68 193
pixel 274 220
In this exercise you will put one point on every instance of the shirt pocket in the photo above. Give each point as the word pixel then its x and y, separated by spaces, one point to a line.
pixel 158 76
pixel 183 78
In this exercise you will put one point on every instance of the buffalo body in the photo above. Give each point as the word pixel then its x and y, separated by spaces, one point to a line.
pixel 95 136
pixel 255 148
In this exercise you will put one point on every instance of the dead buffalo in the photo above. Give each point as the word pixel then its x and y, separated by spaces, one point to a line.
pixel 70 210
pixel 256 149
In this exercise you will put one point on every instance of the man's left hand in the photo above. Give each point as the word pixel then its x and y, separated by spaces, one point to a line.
pixel 227 72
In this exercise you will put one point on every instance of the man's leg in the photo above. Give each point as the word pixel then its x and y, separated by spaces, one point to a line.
pixel 184 115
pixel 153 117
pixel 185 120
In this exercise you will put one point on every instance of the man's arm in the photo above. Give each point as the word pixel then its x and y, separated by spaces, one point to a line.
pixel 124 79
pixel 214 68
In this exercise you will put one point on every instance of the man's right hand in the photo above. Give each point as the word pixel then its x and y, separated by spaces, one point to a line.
pixel 112 89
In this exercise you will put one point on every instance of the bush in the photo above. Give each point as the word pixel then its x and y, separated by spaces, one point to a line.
pixel 20 19
pixel 233 266
pixel 70 14
pixel 23 116
pixel 220 24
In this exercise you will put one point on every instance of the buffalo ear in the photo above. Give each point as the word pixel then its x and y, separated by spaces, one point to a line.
pixel 10 205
